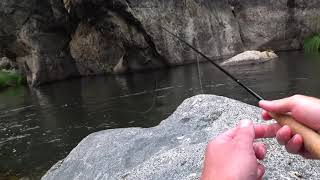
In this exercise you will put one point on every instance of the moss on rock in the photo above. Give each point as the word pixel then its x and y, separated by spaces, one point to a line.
pixel 10 78
pixel 312 45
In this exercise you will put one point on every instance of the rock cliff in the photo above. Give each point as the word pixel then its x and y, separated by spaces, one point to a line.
pixel 174 149
pixel 56 39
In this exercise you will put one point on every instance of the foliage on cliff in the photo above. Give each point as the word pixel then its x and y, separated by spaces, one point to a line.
pixel 10 79
pixel 312 45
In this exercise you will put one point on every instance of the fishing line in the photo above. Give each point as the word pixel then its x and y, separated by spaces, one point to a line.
pixel 250 91
pixel 199 75
pixel 150 108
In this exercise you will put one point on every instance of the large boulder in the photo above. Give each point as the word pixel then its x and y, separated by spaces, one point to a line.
pixel 251 57
pixel 174 149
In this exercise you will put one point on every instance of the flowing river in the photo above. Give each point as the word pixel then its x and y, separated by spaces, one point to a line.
pixel 40 126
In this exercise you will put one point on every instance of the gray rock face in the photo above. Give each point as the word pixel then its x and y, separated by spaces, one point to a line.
pixel 97 49
pixel 57 39
pixel 208 25
pixel 174 149
pixel 282 25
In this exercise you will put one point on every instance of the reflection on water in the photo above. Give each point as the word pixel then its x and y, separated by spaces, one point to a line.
pixel 39 127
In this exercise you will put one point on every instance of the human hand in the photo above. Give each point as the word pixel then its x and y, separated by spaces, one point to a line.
pixel 303 109
pixel 233 155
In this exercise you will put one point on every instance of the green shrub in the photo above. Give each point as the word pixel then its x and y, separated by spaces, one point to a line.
pixel 10 78
pixel 312 45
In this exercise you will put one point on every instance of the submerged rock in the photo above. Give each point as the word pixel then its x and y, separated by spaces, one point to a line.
pixel 174 149
pixel 251 57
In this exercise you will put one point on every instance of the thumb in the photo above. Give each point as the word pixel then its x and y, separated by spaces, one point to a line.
pixel 279 106
pixel 245 134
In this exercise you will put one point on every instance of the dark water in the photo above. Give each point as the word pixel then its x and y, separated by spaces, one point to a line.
pixel 40 126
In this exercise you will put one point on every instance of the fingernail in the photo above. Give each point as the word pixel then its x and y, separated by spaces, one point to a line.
pixel 294 138
pixel 285 127
pixel 245 123
pixel 264 102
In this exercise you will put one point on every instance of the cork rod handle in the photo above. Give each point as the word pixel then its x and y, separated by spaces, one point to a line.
pixel 311 139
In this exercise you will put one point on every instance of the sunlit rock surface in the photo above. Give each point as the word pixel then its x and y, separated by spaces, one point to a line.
pixel 174 149
pixel 251 57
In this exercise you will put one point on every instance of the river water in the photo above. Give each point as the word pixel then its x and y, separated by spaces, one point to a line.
pixel 40 126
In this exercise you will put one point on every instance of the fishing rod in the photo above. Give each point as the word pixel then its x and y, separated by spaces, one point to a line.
pixel 249 90
pixel 310 137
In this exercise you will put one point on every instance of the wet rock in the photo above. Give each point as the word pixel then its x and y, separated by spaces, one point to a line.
pixel 35 34
pixel 174 149
pixel 120 67
pixel 251 57
pixel 6 63
pixel 67 5
pixel 47 56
